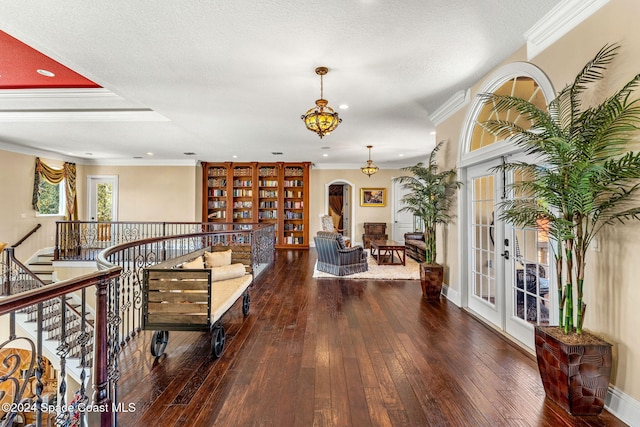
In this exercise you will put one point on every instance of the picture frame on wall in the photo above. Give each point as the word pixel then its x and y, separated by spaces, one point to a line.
pixel 373 197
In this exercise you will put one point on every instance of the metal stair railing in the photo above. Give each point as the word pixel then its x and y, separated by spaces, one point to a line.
pixel 47 302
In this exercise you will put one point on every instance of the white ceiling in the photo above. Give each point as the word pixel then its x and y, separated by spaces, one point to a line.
pixel 231 77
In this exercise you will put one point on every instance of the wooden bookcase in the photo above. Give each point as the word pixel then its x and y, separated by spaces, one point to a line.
pixel 275 193
pixel 242 191
pixel 215 191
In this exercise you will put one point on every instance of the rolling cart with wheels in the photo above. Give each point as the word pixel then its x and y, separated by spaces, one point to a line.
pixel 176 299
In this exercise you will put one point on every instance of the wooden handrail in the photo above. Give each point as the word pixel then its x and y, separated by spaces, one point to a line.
pixel 26 236
pixel 34 296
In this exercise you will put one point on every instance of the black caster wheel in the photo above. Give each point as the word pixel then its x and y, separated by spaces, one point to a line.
pixel 217 341
pixel 159 342
pixel 246 304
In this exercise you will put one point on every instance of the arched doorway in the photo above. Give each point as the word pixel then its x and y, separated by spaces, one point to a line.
pixel 506 272
pixel 338 203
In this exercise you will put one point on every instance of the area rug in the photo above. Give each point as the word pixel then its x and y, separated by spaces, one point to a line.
pixel 410 271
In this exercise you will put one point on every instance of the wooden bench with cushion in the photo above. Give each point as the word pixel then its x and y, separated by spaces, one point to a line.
pixel 192 293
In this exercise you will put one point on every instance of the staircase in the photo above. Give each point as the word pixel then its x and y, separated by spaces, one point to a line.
pixel 41 264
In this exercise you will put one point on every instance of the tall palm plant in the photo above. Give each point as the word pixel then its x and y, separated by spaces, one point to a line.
pixel 584 177
pixel 429 197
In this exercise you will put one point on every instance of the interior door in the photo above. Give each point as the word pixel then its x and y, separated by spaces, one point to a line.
pixel 346 209
pixel 485 292
pixel 402 221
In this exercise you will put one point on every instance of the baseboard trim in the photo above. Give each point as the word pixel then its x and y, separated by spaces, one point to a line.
pixel 623 406
pixel 452 295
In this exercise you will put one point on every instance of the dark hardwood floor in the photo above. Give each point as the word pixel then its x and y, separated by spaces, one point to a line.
pixel 338 352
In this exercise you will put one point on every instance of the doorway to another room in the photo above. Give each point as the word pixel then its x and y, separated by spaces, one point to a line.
pixel 339 205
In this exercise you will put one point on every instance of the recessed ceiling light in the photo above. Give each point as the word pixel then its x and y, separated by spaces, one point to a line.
pixel 234 156
pixel 325 155
pixel 149 153
pixel 343 106
pixel 432 133
pixel 46 73
pixel 400 155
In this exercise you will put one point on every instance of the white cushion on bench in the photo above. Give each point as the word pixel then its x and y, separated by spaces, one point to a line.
pixel 217 259
pixel 225 293
pixel 195 264
pixel 225 272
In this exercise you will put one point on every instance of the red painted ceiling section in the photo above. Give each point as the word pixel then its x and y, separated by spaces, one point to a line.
pixel 19 65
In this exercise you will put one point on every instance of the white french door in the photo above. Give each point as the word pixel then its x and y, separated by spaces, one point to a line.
pixel 485 290
pixel 102 198
pixel 529 274
pixel 511 277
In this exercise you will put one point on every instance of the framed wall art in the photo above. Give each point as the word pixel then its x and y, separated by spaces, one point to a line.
pixel 373 197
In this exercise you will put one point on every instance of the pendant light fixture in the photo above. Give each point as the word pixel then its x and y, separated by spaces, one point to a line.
pixel 370 168
pixel 321 119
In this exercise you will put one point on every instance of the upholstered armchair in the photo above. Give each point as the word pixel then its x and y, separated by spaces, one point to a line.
pixel 335 258
pixel 329 225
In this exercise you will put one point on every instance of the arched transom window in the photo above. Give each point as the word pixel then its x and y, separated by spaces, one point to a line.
pixel 521 87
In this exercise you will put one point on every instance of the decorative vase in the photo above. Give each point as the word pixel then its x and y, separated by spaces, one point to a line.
pixel 574 375
pixel 431 278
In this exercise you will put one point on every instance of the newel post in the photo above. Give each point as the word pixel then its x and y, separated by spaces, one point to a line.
pixel 102 396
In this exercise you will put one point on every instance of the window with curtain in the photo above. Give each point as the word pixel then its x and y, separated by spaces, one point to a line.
pixel 54 190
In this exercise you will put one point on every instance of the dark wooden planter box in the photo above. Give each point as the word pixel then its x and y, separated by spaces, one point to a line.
pixel 431 278
pixel 576 377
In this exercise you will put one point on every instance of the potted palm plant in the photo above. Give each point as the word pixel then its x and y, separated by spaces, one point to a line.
pixel 584 179
pixel 429 196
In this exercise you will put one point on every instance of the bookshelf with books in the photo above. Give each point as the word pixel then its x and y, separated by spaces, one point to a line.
pixel 268 193
pixel 274 193
pixel 243 192
pixel 215 192
pixel 295 223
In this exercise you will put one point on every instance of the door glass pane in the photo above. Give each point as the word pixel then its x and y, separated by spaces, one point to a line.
pixel 530 275
pixel 105 202
pixel 104 210
pixel 483 249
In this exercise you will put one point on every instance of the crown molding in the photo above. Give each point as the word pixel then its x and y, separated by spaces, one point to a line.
pixel 450 107
pixel 557 22
pixel 73 93
pixel 81 115
pixel 139 162
pixel 38 152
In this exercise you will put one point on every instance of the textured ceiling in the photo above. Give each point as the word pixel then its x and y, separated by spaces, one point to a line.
pixel 228 78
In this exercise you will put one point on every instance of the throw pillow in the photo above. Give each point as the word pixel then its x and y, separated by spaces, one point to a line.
pixel 195 264
pixel 217 259
pixel 225 272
